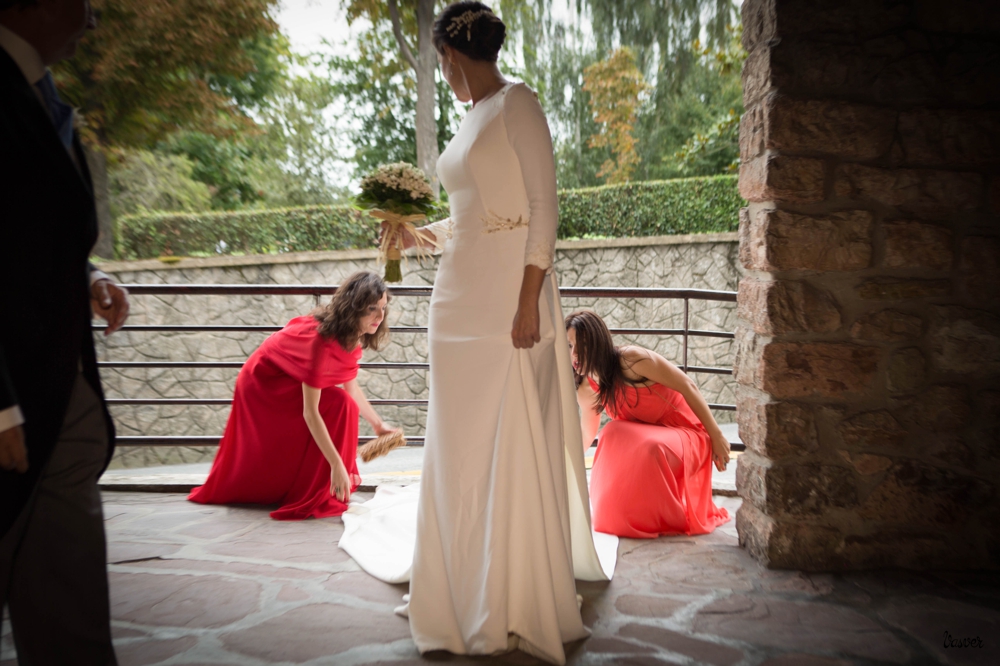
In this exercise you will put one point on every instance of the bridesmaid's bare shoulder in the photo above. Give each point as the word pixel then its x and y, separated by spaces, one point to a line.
pixel 631 356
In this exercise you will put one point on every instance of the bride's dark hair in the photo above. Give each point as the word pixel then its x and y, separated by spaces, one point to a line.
pixel 340 319
pixel 470 28
pixel 596 355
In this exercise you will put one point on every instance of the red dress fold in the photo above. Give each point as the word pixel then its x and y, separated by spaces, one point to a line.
pixel 652 472
pixel 267 454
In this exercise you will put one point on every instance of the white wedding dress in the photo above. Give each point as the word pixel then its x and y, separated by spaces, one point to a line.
pixel 503 524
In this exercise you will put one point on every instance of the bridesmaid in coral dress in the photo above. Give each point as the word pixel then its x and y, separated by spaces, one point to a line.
pixel 292 435
pixel 652 472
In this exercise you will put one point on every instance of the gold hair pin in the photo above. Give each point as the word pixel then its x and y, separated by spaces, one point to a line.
pixel 465 20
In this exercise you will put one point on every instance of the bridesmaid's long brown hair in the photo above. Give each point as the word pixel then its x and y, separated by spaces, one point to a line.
pixel 340 319
pixel 597 355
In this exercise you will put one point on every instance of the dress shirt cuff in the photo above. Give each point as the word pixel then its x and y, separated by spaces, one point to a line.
pixel 96 275
pixel 10 417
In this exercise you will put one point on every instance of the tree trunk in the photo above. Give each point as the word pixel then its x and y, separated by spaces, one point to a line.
pixel 427 144
pixel 98 165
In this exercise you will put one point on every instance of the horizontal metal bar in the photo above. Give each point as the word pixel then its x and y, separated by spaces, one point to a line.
pixel 194 328
pixel 327 289
pixel 170 328
pixel 671 331
pixel 258 289
pixel 710 371
pixel 177 365
pixel 175 402
pixel 643 292
pixel 179 328
pixel 721 407
pixel 192 440
pixel 214 441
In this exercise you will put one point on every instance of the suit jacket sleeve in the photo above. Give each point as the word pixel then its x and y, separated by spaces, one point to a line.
pixel 7 396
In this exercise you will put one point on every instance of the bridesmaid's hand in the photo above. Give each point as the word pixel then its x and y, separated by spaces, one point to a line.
pixel 384 429
pixel 525 332
pixel 720 452
pixel 340 483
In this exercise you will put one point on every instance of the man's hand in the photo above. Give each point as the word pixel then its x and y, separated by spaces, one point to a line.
pixel 109 302
pixel 13 454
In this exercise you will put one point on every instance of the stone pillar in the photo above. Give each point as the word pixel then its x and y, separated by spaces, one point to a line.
pixel 868 344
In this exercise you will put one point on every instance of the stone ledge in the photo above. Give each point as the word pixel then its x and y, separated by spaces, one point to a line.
pixel 226 261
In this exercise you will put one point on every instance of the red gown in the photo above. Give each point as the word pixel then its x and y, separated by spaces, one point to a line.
pixel 267 454
pixel 652 472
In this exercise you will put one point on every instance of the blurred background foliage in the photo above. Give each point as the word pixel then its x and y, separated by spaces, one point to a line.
pixel 204 107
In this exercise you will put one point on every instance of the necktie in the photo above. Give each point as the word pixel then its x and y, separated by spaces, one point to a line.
pixel 60 113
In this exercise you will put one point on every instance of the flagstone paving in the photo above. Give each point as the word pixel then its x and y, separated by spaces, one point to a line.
pixel 194 585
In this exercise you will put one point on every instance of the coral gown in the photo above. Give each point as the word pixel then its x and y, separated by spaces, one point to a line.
pixel 652 472
pixel 267 454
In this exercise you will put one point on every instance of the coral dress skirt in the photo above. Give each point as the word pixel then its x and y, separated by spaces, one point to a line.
pixel 652 472
pixel 267 454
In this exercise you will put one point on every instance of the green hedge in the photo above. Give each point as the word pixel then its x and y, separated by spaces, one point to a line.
pixel 244 232
pixel 651 208
pixel 685 206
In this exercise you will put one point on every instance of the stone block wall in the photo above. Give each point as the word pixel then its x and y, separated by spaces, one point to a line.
pixel 705 262
pixel 868 342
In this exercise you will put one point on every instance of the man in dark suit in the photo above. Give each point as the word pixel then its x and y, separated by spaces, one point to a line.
pixel 55 433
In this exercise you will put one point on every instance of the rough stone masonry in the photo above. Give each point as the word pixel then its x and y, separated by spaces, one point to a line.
pixel 868 341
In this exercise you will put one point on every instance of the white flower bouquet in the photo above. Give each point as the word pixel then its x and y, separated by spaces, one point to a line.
pixel 399 194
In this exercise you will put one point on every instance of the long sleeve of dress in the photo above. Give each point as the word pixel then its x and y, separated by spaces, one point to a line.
pixel 442 230
pixel 528 133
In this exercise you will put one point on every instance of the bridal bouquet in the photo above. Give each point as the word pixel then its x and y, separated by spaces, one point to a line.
pixel 400 195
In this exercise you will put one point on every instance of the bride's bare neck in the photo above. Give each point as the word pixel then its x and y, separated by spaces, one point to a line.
pixel 484 79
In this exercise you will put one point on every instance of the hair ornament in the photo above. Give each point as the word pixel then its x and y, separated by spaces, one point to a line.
pixel 465 20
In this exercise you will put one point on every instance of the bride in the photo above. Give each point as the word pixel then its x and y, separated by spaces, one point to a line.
pixel 503 522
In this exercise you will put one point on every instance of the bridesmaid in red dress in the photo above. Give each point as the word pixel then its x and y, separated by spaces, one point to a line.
pixel 292 434
pixel 652 472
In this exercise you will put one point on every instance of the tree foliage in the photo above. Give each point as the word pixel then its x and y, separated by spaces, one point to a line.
pixel 155 66
pixel 615 86
pixel 145 181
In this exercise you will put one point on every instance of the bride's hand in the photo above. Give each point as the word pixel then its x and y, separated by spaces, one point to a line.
pixel 720 452
pixel 525 331
pixel 340 483
pixel 406 236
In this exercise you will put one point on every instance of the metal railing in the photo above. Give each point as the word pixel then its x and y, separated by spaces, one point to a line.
pixel 318 291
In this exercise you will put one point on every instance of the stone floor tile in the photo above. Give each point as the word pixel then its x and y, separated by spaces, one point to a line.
pixel 646 606
pixel 363 586
pixel 800 659
pixel 795 581
pixel 130 551
pixel 799 625
pixel 700 650
pixel 314 631
pixel 290 593
pixel 181 601
pixel 152 651
pixel 277 549
pixel 712 569
pixel 933 620
pixel 221 566
pixel 214 529
pixel 118 631
pixel 615 646
pixel 984 584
